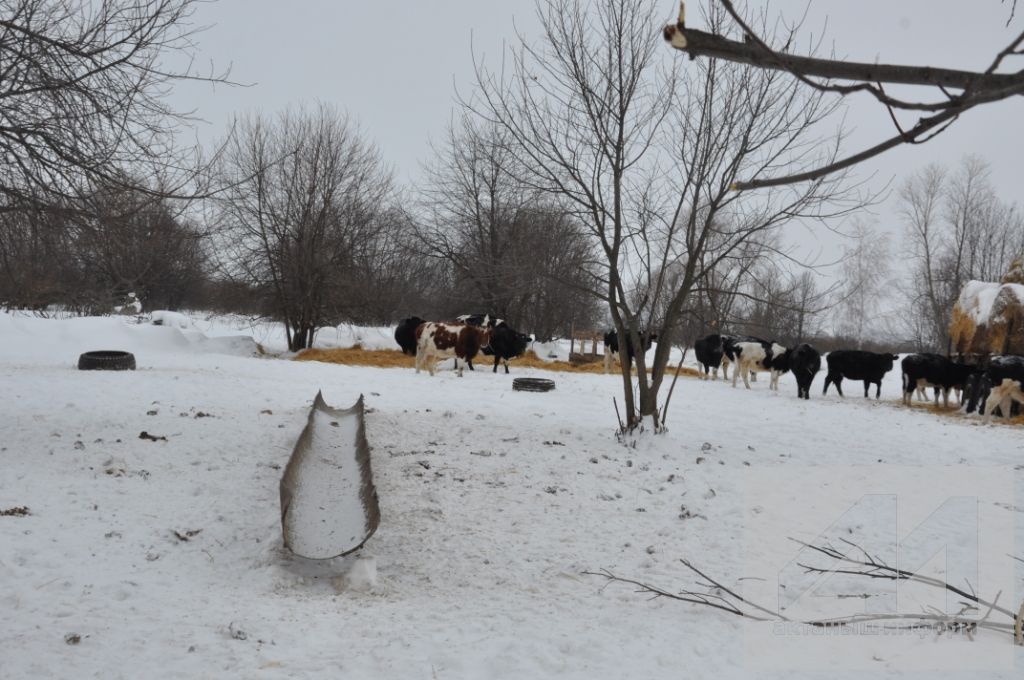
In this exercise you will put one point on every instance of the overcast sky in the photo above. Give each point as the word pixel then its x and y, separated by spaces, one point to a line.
pixel 394 65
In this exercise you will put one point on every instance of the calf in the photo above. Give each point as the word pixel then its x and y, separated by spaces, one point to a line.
pixel 857 365
pixel 443 340
pixel 405 334
pixel 933 370
pixel 805 362
pixel 988 389
pixel 506 343
pixel 709 353
pixel 611 347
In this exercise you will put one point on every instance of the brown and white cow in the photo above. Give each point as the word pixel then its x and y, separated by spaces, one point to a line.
pixel 436 340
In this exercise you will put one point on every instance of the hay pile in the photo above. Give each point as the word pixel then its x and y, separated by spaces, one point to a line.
pixel 988 318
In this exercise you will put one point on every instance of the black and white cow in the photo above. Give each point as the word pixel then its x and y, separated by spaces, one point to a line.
pixel 729 343
pixel 709 351
pixel 506 343
pixel 611 347
pixel 805 362
pixel 752 357
pixel 997 387
pixel 779 363
pixel 933 370
pixel 856 364
pixel 405 334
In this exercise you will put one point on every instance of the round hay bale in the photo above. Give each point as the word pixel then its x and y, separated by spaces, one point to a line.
pixel 533 385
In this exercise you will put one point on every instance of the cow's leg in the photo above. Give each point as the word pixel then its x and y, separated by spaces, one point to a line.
pixel 878 389
pixel 746 372
pixel 419 361
pixel 735 373
pixel 725 367
pixel 496 359
pixel 753 376
pixel 838 382
pixel 828 379
pixel 458 369
pixel 607 360
pixel 505 361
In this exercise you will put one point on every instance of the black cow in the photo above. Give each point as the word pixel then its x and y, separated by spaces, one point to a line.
pixel 405 334
pixel 1001 374
pixel 506 343
pixel 611 347
pixel 805 362
pixel 857 365
pixel 933 370
pixel 709 351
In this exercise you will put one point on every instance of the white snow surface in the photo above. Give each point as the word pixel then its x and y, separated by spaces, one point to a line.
pixel 493 504
pixel 162 317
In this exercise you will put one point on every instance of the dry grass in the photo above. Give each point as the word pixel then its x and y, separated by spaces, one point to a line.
pixel 386 358
pixel 357 356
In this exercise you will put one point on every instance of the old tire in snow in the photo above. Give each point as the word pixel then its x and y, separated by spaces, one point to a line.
pixel 106 360
pixel 533 384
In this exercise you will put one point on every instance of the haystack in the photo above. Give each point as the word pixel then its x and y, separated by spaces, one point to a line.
pixel 988 318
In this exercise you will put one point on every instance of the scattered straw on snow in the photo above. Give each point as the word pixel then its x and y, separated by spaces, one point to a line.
pixel 357 356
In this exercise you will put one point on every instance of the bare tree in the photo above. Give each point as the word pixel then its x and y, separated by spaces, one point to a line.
pixel 513 251
pixel 956 229
pixel 84 89
pixel 954 92
pixel 129 242
pixel 593 115
pixel 865 275
pixel 306 197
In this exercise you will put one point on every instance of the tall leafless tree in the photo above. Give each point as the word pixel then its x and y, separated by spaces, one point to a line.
pixel 306 197
pixel 513 250
pixel 84 98
pixel 953 92
pixel 865 276
pixel 592 112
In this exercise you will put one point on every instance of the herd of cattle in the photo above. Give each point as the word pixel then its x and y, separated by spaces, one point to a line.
pixel 998 387
pixel 461 339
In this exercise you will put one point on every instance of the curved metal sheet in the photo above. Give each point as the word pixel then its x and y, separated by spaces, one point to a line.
pixel 329 504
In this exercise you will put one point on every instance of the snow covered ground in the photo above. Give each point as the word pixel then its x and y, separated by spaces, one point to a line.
pixel 163 558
